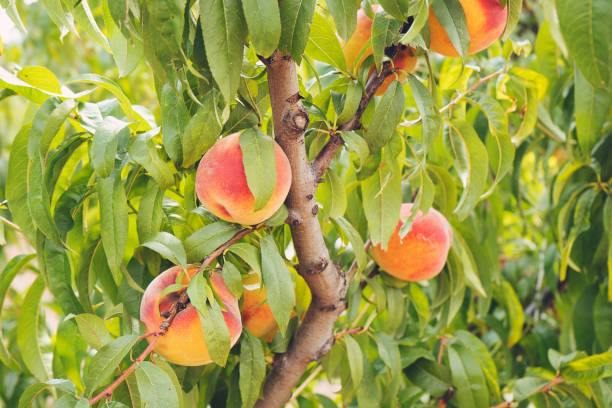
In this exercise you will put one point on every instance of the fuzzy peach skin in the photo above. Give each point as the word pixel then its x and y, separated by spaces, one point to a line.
pixel 257 317
pixel 422 253
pixel 184 342
pixel 358 46
pixel 486 20
pixel 404 61
pixel 221 183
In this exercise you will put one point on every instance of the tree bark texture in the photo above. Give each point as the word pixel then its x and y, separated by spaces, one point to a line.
pixel 326 281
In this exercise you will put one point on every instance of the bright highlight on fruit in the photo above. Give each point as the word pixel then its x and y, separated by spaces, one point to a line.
pixel 221 183
pixel 485 19
pixel 184 343
pixel 422 253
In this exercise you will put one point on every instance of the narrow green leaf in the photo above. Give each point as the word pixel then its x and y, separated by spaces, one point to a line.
pixel 387 116
pixel 277 281
pixel 105 362
pixel 208 238
pixel 468 378
pixel 202 130
pixel 451 16
pixel 58 273
pixel 525 387
pixel 397 8
pixel 607 216
pixel 114 217
pixel 127 51
pixel 174 120
pixel 249 253
pixel 389 352
pixel 355 359
pixel 514 310
pixel 323 44
pixel 351 102
pixel 28 398
pixel 344 13
pixel 93 330
pixel 150 212
pixel 514 12
pixel 592 106
pixel 357 144
pixel 471 163
pixel 265 37
pixel 296 16
pixel 155 386
pixel 384 32
pixel 338 194
pixel 224 35
pixel 34 93
pixel 586 29
pixel 232 278
pixel 168 246
pixel 432 121
pixel 468 263
pixel 104 146
pixel 420 18
pixel 84 17
pixel 430 376
pixel 28 333
pixel 143 151
pixel 258 157
pixel 216 333
pixel 252 369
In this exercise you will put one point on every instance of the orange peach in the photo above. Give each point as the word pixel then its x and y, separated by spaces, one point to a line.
pixel 358 48
pixel 222 187
pixel 257 317
pixel 422 253
pixel 485 19
pixel 184 342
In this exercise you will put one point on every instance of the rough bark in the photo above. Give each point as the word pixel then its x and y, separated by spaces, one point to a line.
pixel 327 282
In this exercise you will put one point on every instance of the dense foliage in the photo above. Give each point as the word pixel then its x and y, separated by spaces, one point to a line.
pixel 106 107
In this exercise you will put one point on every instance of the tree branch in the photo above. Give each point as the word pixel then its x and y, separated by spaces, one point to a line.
pixel 325 156
pixel 326 281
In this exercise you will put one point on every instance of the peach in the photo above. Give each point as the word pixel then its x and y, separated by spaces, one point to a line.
pixel 221 183
pixel 257 317
pixel 184 342
pixel 486 20
pixel 359 46
pixel 422 253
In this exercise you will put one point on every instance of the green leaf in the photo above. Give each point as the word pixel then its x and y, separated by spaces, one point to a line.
pixel 430 376
pixel 514 12
pixel 592 106
pixel 382 199
pixel 29 333
pixel 607 216
pixel 296 17
pixel 248 253
pixel 471 163
pixel 127 52
pixel 150 213
pixel 387 116
pixel 277 281
pixel 389 352
pixel 155 386
pixel 344 13
pixel 7 276
pixel 93 330
pixel 397 8
pixel 338 194
pixel 265 36
pixel 357 144
pixel 323 44
pixel 586 29
pixel 143 151
pixel 602 320
pixel 104 146
pixel 384 31
pixel 224 35
pixel 355 359
pixel 514 310
pixel 420 18
pixel 351 102
pixel 258 157
pixel 33 92
pixel 252 369
pixel 58 272
pixel 84 17
pixel 16 189
pixel 174 120
pixel 432 121
pixel 208 238
pixel 232 278
pixel 31 393
pixel 525 387
pixel 168 246
pixel 114 218
pixel 182 399
pixel 451 16
pixel 216 333
pixel 105 362
pixel 468 378
pixel 201 131
pixel 480 352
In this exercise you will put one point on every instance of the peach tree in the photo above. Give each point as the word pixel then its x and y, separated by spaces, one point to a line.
pixel 268 203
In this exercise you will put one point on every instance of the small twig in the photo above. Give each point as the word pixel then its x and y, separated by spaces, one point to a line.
pixel 237 236
pixel 307 381
pixel 441 352
pixel 459 97
pixel 356 330
pixel 325 156
pixel 10 224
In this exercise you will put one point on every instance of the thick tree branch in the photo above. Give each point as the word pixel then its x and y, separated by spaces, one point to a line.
pixel 322 161
pixel 326 281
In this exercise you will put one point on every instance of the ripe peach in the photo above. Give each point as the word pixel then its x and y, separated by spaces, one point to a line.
pixel 422 253
pixel 486 20
pixel 358 46
pixel 184 342
pixel 222 187
pixel 256 314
